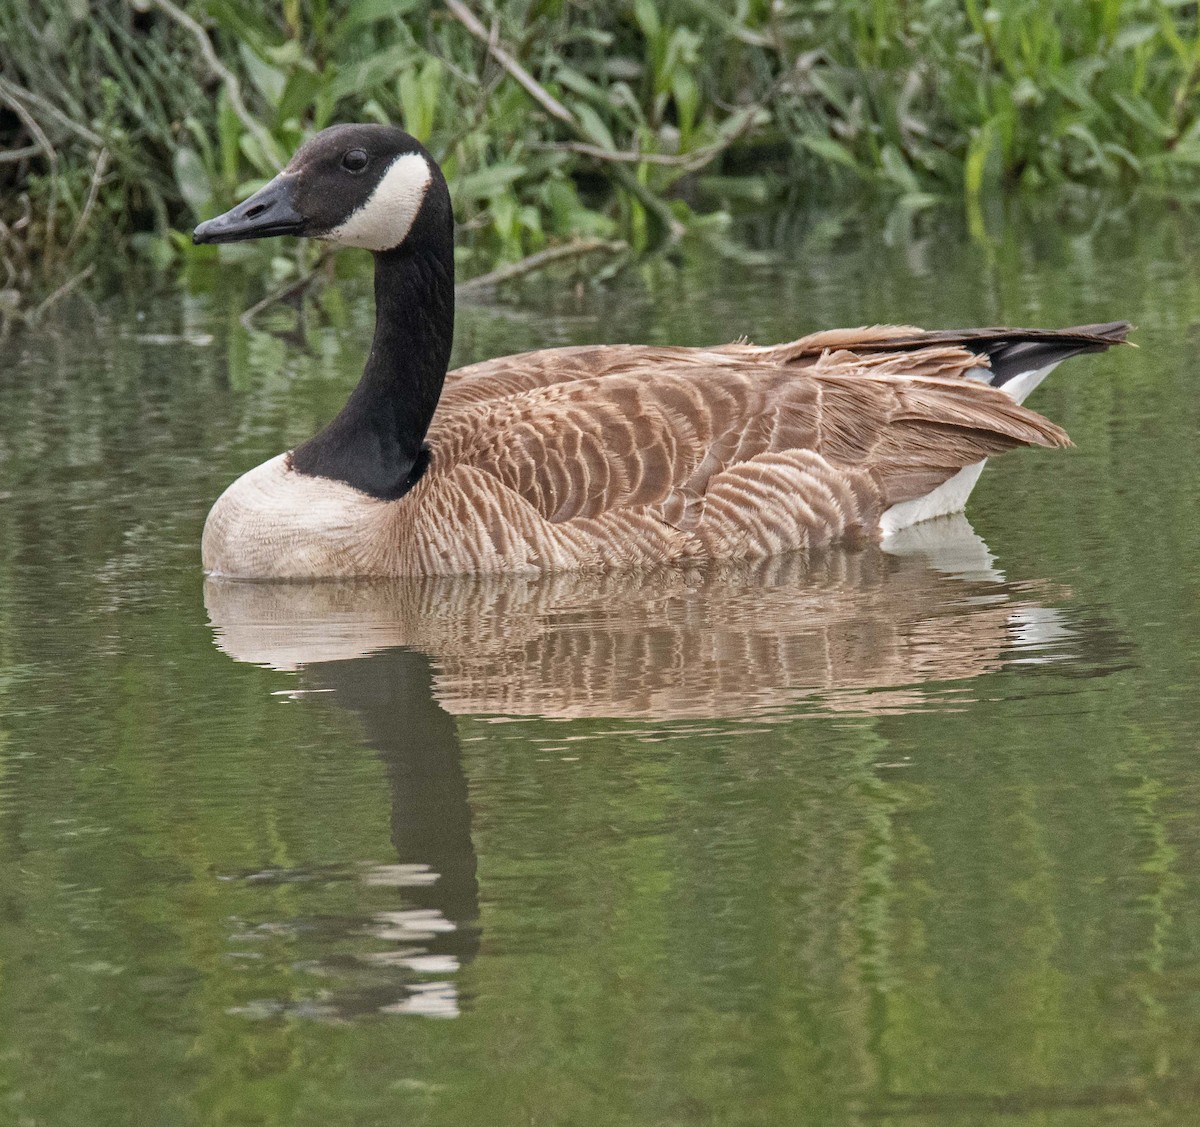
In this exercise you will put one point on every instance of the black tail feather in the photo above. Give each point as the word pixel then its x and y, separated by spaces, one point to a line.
pixel 1011 358
pixel 1012 352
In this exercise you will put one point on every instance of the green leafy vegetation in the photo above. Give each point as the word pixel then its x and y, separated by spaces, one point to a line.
pixel 558 121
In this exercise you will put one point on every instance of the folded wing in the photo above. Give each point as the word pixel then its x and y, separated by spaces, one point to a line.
pixel 663 439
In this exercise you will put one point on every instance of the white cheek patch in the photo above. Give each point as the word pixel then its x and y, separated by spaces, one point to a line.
pixel 386 218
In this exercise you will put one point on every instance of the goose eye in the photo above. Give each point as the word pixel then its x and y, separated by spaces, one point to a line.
pixel 355 160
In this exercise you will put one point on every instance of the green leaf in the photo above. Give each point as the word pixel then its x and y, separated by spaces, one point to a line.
pixel 252 150
pixel 362 12
pixel 646 14
pixel 299 94
pixel 1071 87
pixel 420 96
pixel 1134 36
pixel 580 84
pixel 830 150
pixel 229 136
pixel 193 180
pixel 268 80
pixel 975 164
pixel 1143 113
pixel 743 189
pixel 830 90
pixel 487 183
pixel 594 127
pixel 375 70
pixel 1083 134
pixel 897 170
pixel 1123 154
pixel 686 93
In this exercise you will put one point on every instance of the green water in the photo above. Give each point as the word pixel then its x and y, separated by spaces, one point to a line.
pixel 897 839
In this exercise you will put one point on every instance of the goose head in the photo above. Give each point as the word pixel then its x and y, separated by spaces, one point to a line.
pixel 370 186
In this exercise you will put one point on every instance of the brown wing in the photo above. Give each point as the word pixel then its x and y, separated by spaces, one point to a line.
pixel 900 349
pixel 868 347
pixel 507 375
pixel 658 438
pixel 872 347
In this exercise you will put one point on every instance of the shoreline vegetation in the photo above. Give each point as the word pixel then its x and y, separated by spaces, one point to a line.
pixel 570 129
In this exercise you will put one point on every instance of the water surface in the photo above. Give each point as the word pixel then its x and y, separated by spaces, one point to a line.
pixel 901 838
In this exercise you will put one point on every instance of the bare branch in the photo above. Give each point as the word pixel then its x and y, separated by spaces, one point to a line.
pixel 43 142
pixel 527 82
pixel 709 153
pixel 13 91
pixel 15 155
pixel 613 156
pixel 689 162
pixel 291 290
pixel 90 202
pixel 541 260
pixel 232 87
pixel 61 292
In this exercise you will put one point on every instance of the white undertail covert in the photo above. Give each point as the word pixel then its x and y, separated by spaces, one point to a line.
pixel 951 496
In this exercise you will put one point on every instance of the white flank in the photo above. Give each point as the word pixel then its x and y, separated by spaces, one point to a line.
pixel 386 218
pixel 949 497
pixel 1020 386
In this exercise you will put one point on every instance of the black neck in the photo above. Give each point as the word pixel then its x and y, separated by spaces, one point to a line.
pixel 375 443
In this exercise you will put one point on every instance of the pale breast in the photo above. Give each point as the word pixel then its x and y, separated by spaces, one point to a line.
pixel 275 523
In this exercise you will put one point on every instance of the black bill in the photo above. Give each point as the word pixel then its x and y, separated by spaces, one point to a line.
pixel 270 211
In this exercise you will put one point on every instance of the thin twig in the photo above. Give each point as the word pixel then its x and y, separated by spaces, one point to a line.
pixel 528 83
pixel 39 137
pixel 41 141
pixel 14 155
pixel 657 207
pixel 90 202
pixel 652 203
pixel 541 260
pixel 614 156
pixel 12 90
pixel 61 292
pixel 702 157
pixel 10 271
pixel 291 290
pixel 688 162
pixel 232 87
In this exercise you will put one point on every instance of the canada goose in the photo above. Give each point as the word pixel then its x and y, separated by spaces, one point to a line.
pixel 598 457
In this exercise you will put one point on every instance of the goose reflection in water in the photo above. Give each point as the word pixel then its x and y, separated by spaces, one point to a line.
pixel 863 632
pixel 402 959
